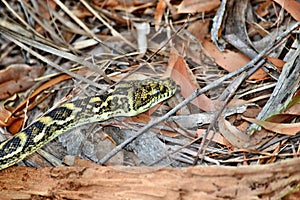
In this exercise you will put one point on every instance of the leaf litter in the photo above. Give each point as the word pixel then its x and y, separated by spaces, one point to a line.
pixel 62 50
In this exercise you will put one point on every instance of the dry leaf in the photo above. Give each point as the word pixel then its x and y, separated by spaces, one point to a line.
pixel 200 29
pixel 291 112
pixel 294 105
pixel 292 7
pixel 178 70
pixel 43 87
pixel 5 114
pixel 259 75
pixel 282 128
pixel 263 8
pixel 230 60
pixel 159 12
pixel 17 78
pixel 12 117
pixel 218 138
pixel 232 134
pixel 193 6
pixel 277 62
pixel 7 119
pixel 294 110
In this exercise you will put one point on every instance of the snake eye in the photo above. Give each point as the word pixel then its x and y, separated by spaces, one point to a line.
pixel 156 92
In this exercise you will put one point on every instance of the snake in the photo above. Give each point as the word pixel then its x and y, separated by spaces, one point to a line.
pixel 128 98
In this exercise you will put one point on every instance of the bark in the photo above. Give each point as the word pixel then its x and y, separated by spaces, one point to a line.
pixel 270 181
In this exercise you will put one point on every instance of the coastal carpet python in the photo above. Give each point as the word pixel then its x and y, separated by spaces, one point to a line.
pixel 126 99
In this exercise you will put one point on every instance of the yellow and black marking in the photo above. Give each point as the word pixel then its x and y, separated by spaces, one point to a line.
pixel 127 99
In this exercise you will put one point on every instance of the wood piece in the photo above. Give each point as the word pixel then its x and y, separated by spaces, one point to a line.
pixel 201 182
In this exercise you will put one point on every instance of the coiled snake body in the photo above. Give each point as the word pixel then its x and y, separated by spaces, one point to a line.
pixel 127 99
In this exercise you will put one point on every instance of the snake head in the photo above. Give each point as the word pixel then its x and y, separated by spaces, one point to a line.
pixel 149 92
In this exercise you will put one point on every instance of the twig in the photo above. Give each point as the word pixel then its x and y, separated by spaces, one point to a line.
pixel 225 97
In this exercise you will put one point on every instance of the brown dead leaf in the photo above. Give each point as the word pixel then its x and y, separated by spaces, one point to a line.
pixel 263 8
pixel 19 109
pixel 232 134
pixel 141 118
pixel 13 117
pixel 291 112
pixel 5 114
pixel 227 59
pixel 280 118
pixel 107 3
pixel 282 128
pixel 200 29
pixel 7 119
pixel 230 60
pixel 277 62
pixel 45 10
pixel 252 112
pixel 159 12
pixel 193 6
pixel 17 78
pixel 259 75
pixel 129 7
pixel 294 110
pixel 293 106
pixel 291 6
pixel 178 70
pixel 236 102
pixel 126 3
pixel 16 126
pixel 218 138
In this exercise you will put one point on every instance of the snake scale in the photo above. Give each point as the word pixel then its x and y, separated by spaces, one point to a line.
pixel 126 99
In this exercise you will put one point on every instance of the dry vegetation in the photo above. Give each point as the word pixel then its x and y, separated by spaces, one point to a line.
pixel 231 131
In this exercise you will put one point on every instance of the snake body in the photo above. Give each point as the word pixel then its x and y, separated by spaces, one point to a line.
pixel 126 99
